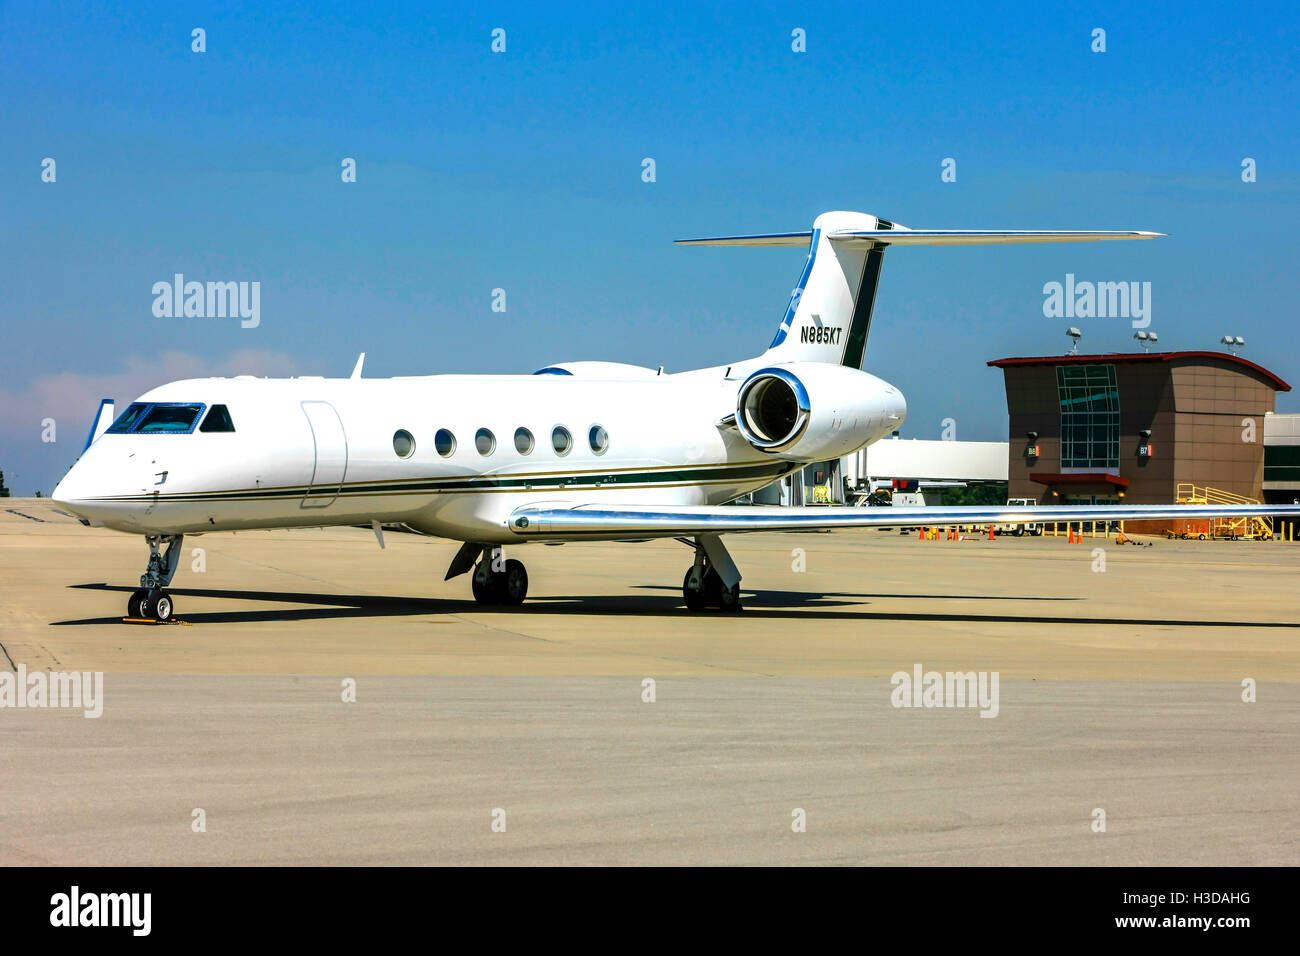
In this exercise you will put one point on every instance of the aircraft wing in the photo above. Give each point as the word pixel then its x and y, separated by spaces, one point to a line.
pixel 667 521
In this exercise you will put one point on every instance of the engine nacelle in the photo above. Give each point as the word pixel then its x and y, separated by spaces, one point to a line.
pixel 806 411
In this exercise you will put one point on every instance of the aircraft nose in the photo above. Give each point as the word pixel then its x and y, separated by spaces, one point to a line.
pixel 71 489
pixel 104 488
pixel 79 492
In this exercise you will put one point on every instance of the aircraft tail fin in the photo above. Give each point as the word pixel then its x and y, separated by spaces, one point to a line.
pixel 829 314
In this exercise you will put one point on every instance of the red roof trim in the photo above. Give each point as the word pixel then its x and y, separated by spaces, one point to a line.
pixel 1083 478
pixel 1119 357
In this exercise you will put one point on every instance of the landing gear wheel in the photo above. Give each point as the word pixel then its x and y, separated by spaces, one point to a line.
pixel 711 593
pixel 512 584
pixel 157 605
pixel 508 587
pixel 134 604
pixel 694 597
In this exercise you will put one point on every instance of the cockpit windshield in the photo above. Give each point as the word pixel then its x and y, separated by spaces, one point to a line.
pixel 127 420
pixel 169 418
pixel 163 417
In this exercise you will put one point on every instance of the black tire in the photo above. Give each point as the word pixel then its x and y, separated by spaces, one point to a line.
pixel 694 599
pixel 134 604
pixel 513 583
pixel 712 589
pixel 157 605
pixel 484 593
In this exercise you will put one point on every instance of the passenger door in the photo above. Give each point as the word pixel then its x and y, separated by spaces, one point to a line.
pixel 331 450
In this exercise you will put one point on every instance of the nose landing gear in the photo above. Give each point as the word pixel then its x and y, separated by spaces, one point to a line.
pixel 153 604
pixel 151 600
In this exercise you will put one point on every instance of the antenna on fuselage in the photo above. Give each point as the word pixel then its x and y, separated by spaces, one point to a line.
pixel 356 370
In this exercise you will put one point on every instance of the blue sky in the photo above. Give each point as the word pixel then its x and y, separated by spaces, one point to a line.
pixel 522 171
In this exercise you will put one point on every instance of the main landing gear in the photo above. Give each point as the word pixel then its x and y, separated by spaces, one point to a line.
pixel 713 581
pixel 495 581
pixel 151 600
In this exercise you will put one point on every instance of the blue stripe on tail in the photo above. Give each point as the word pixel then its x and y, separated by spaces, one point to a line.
pixel 798 292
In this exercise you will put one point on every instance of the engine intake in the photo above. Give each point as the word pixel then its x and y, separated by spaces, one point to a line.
pixel 772 410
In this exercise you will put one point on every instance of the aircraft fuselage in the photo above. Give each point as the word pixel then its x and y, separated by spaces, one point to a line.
pixel 309 452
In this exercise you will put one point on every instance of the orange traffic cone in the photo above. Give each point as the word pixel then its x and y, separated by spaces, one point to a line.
pixel 991 538
pixel 1070 540
pixel 920 535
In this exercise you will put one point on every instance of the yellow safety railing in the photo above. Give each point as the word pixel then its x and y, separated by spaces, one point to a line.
pixel 1092 528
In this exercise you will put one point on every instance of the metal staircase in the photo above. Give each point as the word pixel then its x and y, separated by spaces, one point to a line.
pixel 1260 528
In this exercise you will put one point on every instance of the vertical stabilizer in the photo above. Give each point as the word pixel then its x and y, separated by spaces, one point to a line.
pixel 829 315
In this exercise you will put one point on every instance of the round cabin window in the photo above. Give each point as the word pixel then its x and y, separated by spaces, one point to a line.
pixel 403 443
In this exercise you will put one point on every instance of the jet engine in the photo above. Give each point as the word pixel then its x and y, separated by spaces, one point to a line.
pixel 807 411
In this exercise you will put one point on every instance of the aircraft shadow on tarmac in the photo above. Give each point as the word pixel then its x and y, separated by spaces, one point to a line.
pixel 792 605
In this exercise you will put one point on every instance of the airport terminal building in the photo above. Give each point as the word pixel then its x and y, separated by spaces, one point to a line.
pixel 1137 428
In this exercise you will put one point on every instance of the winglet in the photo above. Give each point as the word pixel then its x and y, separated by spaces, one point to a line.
pixel 103 418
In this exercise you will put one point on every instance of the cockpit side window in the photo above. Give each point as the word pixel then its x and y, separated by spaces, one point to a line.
pixel 127 420
pixel 169 418
pixel 218 420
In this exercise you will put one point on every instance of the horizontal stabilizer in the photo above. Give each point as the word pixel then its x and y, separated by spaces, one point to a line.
pixel 901 236
pixel 796 239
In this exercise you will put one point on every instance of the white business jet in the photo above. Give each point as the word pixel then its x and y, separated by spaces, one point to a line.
pixel 578 451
